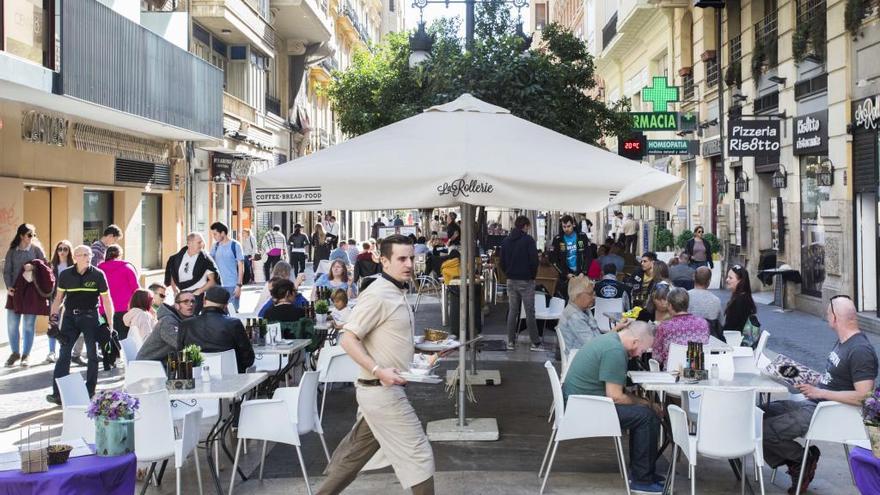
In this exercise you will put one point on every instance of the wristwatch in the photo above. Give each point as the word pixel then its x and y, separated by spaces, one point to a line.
pixel 238 285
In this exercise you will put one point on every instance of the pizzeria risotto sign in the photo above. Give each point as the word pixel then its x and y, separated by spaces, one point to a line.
pixel 754 138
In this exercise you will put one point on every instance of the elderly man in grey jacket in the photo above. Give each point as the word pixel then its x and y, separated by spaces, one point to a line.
pixel 163 339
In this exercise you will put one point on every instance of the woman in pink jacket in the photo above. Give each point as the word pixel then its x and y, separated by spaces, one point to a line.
pixel 122 278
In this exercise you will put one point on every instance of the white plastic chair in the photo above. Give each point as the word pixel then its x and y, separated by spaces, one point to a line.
pixel 221 363
pixel 603 306
pixel 838 423
pixel 744 362
pixel 733 338
pixel 540 306
pixel 139 370
pixel 727 428
pixel 75 402
pixel 762 344
pixel 130 349
pixel 676 357
pixel 154 438
pixel 338 367
pixel 554 311
pixel 291 412
pixel 569 423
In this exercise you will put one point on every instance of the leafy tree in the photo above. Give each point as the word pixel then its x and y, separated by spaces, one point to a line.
pixel 550 85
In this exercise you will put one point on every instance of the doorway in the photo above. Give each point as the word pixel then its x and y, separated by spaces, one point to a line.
pixel 151 231
pixel 867 229
pixel 38 211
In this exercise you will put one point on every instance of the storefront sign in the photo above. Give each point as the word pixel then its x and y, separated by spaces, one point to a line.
pixel 655 121
pixel 38 127
pixel 672 147
pixel 221 167
pixel 711 147
pixel 811 133
pixel 866 114
pixel 459 187
pixel 754 138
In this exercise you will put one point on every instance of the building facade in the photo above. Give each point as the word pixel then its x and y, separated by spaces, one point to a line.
pixel 793 202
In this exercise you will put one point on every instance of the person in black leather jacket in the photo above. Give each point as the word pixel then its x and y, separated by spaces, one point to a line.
pixel 214 331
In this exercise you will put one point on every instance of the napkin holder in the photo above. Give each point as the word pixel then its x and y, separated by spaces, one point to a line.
pixel 34 454
pixel 177 384
pixel 695 374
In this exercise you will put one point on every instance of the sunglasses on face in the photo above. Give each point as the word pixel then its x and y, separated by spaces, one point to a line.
pixel 63 249
pixel 31 234
pixel 161 294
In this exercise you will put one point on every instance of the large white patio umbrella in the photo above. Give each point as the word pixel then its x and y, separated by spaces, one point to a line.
pixel 462 154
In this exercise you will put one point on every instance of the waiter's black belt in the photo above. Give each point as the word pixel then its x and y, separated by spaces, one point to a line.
pixel 370 383
pixel 75 311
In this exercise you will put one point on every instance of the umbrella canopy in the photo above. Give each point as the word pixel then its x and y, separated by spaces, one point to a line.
pixel 465 151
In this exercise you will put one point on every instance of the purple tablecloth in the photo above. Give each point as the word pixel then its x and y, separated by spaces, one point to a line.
pixel 866 470
pixel 80 475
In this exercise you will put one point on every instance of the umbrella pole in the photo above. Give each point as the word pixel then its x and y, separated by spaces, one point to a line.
pixel 461 429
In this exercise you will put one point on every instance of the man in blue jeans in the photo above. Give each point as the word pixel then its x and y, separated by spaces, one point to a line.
pixel 519 260
pixel 229 257
pixel 599 368
pixel 79 289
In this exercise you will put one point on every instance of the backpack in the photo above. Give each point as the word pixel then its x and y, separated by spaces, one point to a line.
pixel 234 250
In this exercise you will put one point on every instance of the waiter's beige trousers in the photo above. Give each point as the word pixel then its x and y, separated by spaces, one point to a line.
pixel 388 420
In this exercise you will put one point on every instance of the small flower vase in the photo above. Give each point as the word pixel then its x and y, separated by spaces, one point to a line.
pixel 874 436
pixel 197 372
pixel 321 318
pixel 113 436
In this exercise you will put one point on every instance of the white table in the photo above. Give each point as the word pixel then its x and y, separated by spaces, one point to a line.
pixel 759 383
pixel 279 351
pixel 232 388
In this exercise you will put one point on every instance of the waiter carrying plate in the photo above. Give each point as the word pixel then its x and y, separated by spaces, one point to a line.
pixel 379 338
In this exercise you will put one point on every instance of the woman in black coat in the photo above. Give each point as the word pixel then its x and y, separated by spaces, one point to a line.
pixel 741 306
pixel 701 248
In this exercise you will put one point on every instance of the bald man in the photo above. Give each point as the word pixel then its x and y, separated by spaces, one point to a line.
pixel 849 377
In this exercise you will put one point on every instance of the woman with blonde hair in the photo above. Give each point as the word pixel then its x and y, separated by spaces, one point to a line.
pixel 320 246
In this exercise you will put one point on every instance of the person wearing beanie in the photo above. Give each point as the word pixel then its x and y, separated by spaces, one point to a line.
pixel 214 331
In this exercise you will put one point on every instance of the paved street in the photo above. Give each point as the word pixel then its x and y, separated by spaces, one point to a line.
pixel 506 466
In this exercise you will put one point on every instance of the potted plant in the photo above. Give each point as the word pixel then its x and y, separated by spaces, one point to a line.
pixel 113 412
pixel 321 310
pixel 193 353
pixel 871 418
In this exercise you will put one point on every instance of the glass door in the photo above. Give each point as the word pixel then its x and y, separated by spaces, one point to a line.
pixel 151 231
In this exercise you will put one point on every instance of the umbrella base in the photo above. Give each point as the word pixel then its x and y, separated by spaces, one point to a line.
pixel 480 377
pixel 475 430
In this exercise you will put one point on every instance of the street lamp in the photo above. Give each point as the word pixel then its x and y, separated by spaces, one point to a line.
pixel 420 44
pixel 469 20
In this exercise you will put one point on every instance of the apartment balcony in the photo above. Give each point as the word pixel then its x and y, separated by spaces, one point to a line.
pixel 765 53
pixel 238 108
pixel 351 25
pixel 119 73
pixel 240 21
pixel 625 31
pixel 305 20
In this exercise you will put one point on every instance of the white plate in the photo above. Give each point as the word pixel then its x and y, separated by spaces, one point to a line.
pixel 438 346
pixel 411 377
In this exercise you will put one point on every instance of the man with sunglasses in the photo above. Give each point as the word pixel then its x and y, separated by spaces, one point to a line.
pixel 163 339
pixel 192 270
pixel 159 292
pixel 849 377
pixel 642 281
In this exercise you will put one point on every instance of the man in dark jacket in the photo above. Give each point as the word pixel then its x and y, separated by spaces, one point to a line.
pixel 163 339
pixel 519 260
pixel 214 331
pixel 571 254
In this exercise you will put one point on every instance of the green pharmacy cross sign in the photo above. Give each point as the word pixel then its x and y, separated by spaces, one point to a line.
pixel 660 94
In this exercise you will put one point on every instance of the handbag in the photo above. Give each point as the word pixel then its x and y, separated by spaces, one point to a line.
pixel 751 331
pixel 257 256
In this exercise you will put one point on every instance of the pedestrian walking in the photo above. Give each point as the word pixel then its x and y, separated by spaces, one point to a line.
pixel 192 270
pixel 111 236
pixel 122 278
pixel 320 246
pixel 23 250
pixel 331 229
pixel 62 259
pixel 453 231
pixel 274 247
pixel 519 260
pixel 229 258
pixel 571 254
pixel 249 248
pixel 378 337
pixel 630 234
pixel 617 227
pixel 298 244
pixel 79 289
pixel 699 251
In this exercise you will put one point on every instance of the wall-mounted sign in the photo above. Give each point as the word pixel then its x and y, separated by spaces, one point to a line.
pixel 866 114
pixel 711 147
pixel 663 121
pixel 811 133
pixel 672 147
pixel 221 167
pixel 38 127
pixel 660 94
pixel 754 138
pixel 632 147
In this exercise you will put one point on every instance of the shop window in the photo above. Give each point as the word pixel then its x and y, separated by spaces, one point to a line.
pixel 27 26
pixel 97 214
pixel 151 231
pixel 812 231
